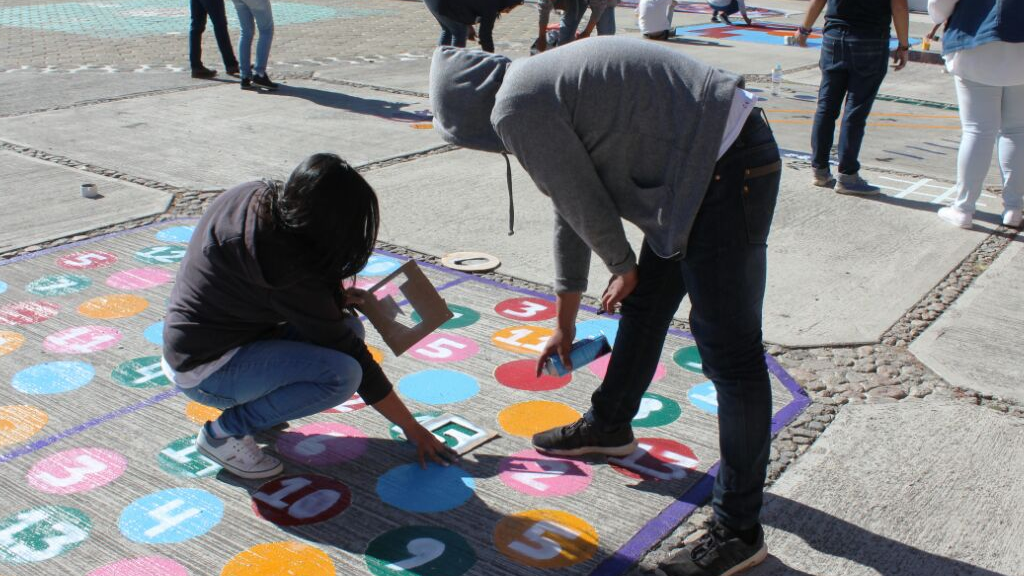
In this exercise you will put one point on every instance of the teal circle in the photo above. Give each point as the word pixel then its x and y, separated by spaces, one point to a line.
pixel 176 234
pixel 594 328
pixel 666 412
pixel 142 372
pixel 419 551
pixel 180 458
pixel 53 377
pixel 434 489
pixel 438 386
pixel 155 333
pixel 396 431
pixel 689 359
pixel 42 533
pixel 152 518
pixel 58 285
pixel 463 317
pixel 161 254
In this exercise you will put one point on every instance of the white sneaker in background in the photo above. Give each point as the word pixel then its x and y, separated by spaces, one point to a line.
pixel 956 217
pixel 240 456
pixel 1013 218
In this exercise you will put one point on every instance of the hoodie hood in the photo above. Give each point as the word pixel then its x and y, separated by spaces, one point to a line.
pixel 463 86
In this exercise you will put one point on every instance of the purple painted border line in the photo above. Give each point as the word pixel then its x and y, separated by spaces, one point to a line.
pixel 40 444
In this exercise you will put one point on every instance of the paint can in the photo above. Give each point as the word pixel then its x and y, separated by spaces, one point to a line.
pixel 89 191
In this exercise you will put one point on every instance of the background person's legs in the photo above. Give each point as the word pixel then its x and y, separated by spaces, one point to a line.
pixel 606 25
pixel 219 19
pixel 1011 147
pixel 264 15
pixel 247 23
pixel 570 21
pixel 195 34
pixel 834 80
pixel 980 117
pixel 866 66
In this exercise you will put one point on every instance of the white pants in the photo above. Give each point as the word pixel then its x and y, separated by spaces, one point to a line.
pixel 988 113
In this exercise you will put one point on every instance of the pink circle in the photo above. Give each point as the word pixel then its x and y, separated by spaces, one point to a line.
pixel 444 347
pixel 323 444
pixel 139 278
pixel 600 367
pixel 86 260
pixel 20 313
pixel 527 309
pixel 535 474
pixel 76 470
pixel 657 459
pixel 389 289
pixel 82 340
pixel 144 566
pixel 351 405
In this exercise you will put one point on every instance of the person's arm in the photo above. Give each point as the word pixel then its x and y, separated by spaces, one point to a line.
pixel 427 445
pixel 486 33
pixel 940 10
pixel 901 22
pixel 813 11
pixel 743 11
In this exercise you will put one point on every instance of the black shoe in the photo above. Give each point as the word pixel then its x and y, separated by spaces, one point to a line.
pixel 264 81
pixel 203 73
pixel 232 70
pixel 581 438
pixel 714 18
pixel 246 83
pixel 726 20
pixel 719 552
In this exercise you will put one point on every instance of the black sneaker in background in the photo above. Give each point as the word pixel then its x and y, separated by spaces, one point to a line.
pixel 264 81
pixel 581 438
pixel 203 73
pixel 719 552
pixel 246 83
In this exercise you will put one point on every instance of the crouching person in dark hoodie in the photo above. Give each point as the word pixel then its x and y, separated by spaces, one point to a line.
pixel 616 128
pixel 258 325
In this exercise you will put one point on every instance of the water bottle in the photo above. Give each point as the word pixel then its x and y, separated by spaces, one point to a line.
pixel 776 79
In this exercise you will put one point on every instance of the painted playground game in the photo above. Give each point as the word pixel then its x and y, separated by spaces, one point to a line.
pixel 100 446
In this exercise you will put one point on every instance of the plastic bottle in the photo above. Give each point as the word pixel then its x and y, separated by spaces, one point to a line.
pixel 776 79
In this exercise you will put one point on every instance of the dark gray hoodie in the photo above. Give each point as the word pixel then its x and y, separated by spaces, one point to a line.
pixel 608 128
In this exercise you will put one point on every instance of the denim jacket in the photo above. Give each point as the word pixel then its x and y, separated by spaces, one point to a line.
pixel 977 22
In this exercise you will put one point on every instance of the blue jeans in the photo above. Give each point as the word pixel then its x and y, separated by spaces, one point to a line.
pixel 453 32
pixel 853 65
pixel 273 381
pixel 199 10
pixel 724 274
pixel 570 22
pixel 253 14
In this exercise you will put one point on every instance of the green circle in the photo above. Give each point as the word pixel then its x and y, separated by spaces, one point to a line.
pixel 689 359
pixel 142 372
pixel 42 533
pixel 463 317
pixel 419 550
pixel 58 285
pixel 180 458
pixel 421 417
pixel 663 411
pixel 161 254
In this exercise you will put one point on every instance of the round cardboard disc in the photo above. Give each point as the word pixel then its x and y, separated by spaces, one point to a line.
pixel 470 261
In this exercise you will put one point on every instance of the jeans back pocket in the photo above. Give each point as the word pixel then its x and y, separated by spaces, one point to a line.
pixel 760 193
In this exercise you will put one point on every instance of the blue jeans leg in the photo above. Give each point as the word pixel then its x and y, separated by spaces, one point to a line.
pixel 264 15
pixel 247 23
pixel 606 25
pixel 570 21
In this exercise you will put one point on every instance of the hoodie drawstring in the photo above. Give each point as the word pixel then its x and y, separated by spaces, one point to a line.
pixel 511 204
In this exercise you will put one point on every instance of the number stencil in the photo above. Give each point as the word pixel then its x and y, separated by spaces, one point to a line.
pixel 444 347
pixel 533 473
pixel 522 339
pixel 322 444
pixel 419 550
pixel 42 533
pixel 301 499
pixel 546 538
pixel 86 260
pixel 76 470
pixel 657 459
pixel 170 516
pixel 180 458
pixel 526 309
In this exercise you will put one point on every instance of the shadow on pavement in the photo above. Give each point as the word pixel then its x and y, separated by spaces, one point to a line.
pixel 386 109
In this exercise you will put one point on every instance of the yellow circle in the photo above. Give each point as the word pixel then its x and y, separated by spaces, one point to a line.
pixel 19 423
pixel 200 413
pixel 113 306
pixel 527 418
pixel 545 538
pixel 10 341
pixel 377 355
pixel 522 339
pixel 280 559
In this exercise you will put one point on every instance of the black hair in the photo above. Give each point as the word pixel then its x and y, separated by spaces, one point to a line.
pixel 331 209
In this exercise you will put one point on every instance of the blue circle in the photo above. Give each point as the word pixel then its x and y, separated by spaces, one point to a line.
pixel 379 265
pixel 155 333
pixel 3 287
pixel 704 397
pixel 610 328
pixel 170 516
pixel 53 377
pixel 436 489
pixel 438 386
pixel 180 234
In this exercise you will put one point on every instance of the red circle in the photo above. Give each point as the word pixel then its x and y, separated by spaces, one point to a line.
pixel 20 313
pixel 526 309
pixel 522 375
pixel 657 459
pixel 301 499
pixel 87 260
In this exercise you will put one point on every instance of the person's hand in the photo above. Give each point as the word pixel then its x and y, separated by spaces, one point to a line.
pixel 355 297
pixel 559 343
pixel 747 20
pixel 428 446
pixel 899 57
pixel 801 37
pixel 470 33
pixel 619 288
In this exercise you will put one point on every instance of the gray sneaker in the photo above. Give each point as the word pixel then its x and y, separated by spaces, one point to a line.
pixel 718 552
pixel 823 178
pixel 854 185
pixel 240 456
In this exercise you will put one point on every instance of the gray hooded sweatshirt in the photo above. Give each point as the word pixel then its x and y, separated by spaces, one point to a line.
pixel 608 128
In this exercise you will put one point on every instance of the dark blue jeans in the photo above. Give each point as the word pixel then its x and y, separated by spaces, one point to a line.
pixel 453 32
pixel 724 274
pixel 215 10
pixel 853 65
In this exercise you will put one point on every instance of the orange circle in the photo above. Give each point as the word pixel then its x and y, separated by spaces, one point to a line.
pixel 113 306
pixel 527 418
pixel 546 538
pixel 522 339
pixel 279 558
pixel 377 355
pixel 19 423
pixel 10 341
pixel 200 413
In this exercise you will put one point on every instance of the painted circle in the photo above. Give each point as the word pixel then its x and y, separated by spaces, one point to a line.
pixel 434 489
pixel 53 377
pixel 522 339
pixel 704 397
pixel 389 289
pixel 599 368
pixel 170 516
pixel 461 317
pixel 19 423
pixel 689 359
pixel 396 431
pixel 546 538
pixel 656 410
pixel 379 265
pixel 535 474
pixel 42 533
pixel 87 260
pixel 82 340
pixel 594 328
pixel 522 375
pixel 180 458
pixel 20 313
pixel 139 278
pixel 444 347
pixel 58 285
pixel 10 341
pixel 322 444
pixel 351 405
pixel 76 470
pixel 376 354
pixel 528 418
pixel 419 551
pixel 176 234
pixel 113 307
pixel 142 566
pixel 154 333
pixel 142 372
pixel 657 459
pixel 526 309
pixel 301 499
pixel 200 413
pixel 438 386
pixel 160 255
pixel 3 286
pixel 278 559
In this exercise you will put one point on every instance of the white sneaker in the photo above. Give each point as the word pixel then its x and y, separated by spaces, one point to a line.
pixel 956 217
pixel 240 456
pixel 1013 218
